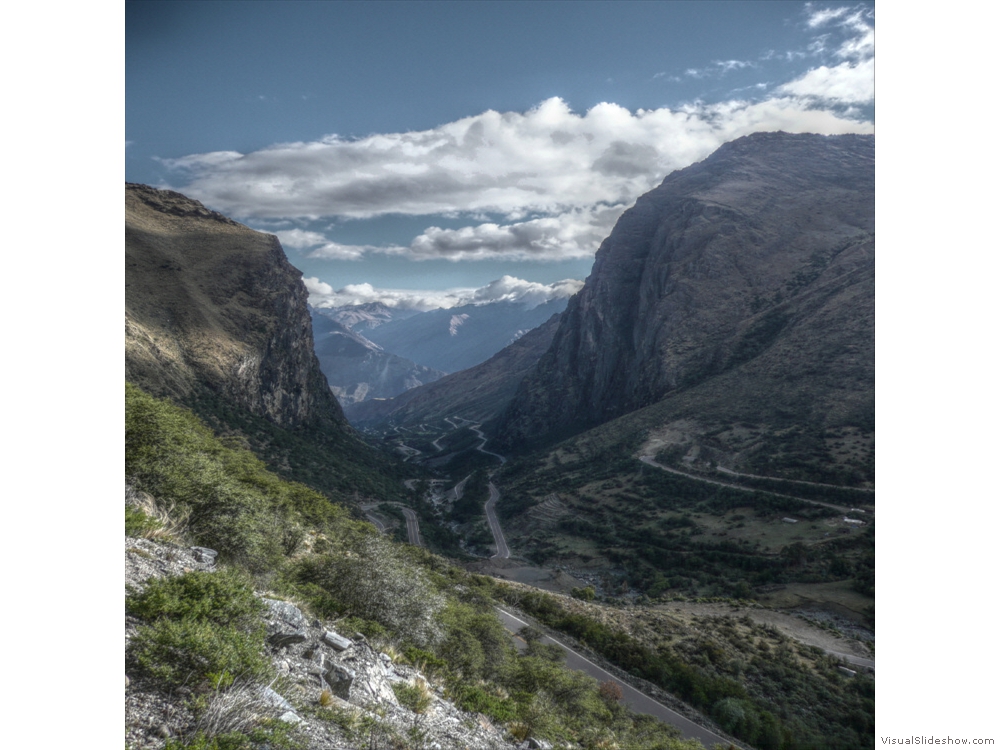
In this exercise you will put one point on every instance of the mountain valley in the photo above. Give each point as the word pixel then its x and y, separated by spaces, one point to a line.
pixel 681 456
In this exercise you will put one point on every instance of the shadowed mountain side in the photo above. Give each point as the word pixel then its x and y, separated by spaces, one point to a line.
pixel 358 370
pixel 749 275
pixel 478 393
pixel 210 303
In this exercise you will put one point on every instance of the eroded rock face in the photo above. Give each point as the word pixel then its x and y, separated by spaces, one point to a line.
pixel 767 245
pixel 210 303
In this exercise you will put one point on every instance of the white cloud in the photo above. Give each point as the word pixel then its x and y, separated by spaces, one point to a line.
pixel 506 288
pixel 844 84
pixel 847 83
pixel 300 239
pixel 546 184
pixel 823 16
pixel 547 160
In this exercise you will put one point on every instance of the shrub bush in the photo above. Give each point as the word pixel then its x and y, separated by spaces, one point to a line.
pixel 203 627
pixel 375 581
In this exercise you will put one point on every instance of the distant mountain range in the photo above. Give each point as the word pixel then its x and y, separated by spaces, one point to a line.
pixel 478 393
pixel 460 337
pixel 357 369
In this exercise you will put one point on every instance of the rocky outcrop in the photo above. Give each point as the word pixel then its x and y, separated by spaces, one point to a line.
pixel 212 304
pixel 336 691
pixel 754 267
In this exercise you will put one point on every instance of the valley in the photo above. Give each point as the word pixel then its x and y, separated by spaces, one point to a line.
pixel 673 477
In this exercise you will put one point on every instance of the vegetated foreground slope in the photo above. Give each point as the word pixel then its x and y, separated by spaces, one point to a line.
pixel 737 296
pixel 203 655
pixel 216 319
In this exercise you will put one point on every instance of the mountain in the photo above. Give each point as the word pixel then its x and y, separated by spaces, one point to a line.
pixel 461 337
pixel 216 320
pixel 212 304
pixel 477 394
pixel 738 299
pixel 357 369
pixel 365 316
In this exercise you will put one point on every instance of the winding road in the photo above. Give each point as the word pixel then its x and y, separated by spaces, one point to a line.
pixel 637 701
pixel 648 460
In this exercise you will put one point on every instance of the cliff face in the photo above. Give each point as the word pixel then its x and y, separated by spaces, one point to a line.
pixel 754 267
pixel 210 303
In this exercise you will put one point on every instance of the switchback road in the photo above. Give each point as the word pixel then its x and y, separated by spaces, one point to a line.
pixel 637 701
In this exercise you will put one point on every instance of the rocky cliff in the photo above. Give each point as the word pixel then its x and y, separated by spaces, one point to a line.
pixel 211 304
pixel 753 269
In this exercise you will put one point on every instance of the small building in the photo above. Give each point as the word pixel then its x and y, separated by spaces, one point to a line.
pixel 786 519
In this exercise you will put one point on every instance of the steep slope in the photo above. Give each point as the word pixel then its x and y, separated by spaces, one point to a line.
pixel 359 370
pixel 210 303
pixel 739 291
pixel 477 394
pixel 461 337
pixel 216 319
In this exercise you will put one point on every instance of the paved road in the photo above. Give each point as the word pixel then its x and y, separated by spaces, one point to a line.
pixel 412 528
pixel 638 702
pixel 649 461
pixel 503 552
pixel 480 448
pixel 724 470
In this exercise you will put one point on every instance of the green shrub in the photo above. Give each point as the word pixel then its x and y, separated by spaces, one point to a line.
pixel 273 734
pixel 192 651
pixel 414 696
pixel 224 598
pixel 137 523
pixel 202 627
pixel 375 581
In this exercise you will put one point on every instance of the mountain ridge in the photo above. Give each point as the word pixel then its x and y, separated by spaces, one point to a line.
pixel 766 245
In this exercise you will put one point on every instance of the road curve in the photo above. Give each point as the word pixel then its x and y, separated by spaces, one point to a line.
pixel 412 528
pixel 503 552
pixel 481 449
pixel 637 701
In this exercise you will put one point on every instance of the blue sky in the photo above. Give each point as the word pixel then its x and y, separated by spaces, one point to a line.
pixel 416 152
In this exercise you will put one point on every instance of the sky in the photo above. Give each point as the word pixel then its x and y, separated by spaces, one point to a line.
pixel 433 154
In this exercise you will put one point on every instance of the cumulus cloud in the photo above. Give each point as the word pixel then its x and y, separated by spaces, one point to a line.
pixel 847 83
pixel 546 161
pixel 300 239
pixel 843 84
pixel 506 288
pixel 552 181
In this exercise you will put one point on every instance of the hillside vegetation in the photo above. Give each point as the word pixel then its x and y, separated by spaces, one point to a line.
pixel 202 629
